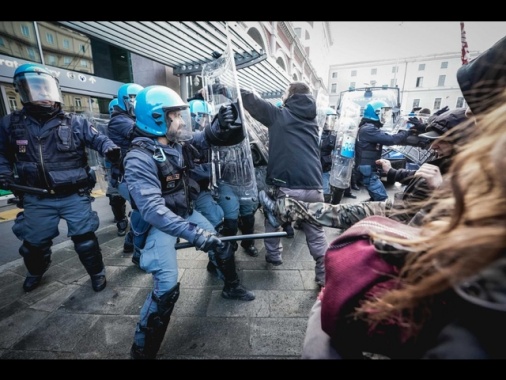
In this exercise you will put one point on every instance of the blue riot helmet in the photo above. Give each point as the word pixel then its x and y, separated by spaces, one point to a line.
pixel 112 103
pixel 330 119
pixel 37 85
pixel 378 110
pixel 200 112
pixel 126 97
pixel 160 111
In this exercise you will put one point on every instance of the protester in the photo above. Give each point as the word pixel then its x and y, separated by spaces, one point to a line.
pixel 46 148
pixel 294 167
pixel 119 130
pixel 157 179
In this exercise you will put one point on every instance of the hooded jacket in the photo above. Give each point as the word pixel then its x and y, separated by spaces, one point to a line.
pixel 294 152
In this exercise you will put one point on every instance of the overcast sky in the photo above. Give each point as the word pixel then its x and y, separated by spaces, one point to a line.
pixel 355 41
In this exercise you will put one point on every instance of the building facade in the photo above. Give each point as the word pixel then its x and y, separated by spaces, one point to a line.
pixel 90 69
pixel 424 81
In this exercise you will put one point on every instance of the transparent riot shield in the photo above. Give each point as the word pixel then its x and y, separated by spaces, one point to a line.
pixel 232 165
pixel 343 156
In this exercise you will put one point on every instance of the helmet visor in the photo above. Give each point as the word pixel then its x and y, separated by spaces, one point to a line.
pixel 201 121
pixel 38 87
pixel 179 124
pixel 330 122
pixel 385 115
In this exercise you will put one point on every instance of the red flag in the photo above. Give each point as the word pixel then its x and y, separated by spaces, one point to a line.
pixel 463 40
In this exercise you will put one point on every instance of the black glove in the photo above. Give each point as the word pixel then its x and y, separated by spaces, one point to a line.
pixel 226 116
pixel 418 126
pixel 207 241
pixel 6 180
pixel 113 154
pixel 226 128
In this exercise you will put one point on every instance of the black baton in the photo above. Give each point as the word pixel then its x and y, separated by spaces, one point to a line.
pixel 265 235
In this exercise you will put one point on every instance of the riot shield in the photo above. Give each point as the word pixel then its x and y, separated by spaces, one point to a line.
pixel 232 165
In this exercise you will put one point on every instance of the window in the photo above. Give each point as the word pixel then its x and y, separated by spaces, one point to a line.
pixel 31 53
pixel 25 30
pixel 441 80
pixel 298 32
pixel 416 103
pixel 460 102
pixel 419 82
pixel 82 48
pixel 50 38
pixel 421 67
pixel 2 42
pixel 77 102
pixel 67 61
pixel 334 75
pixel 353 84
pixel 333 88
pixel 444 64
pixel 373 83
pixel 84 63
pixel 51 60
pixel 66 44
pixel 437 104
pixel 374 71
pixel 12 103
pixel 393 82
pixel 353 73
pixel 395 69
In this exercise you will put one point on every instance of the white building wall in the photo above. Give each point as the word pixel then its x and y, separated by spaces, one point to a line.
pixel 429 94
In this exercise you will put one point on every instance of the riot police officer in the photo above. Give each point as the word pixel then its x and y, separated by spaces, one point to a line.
pixel 157 178
pixel 369 145
pixel 46 149
pixel 119 130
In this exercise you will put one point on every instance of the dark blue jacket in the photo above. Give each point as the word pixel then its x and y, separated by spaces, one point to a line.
pixel 50 155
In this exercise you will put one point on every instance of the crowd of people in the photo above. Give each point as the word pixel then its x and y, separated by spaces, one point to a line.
pixel 157 148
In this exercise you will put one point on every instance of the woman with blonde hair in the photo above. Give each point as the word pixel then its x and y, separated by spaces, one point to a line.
pixel 449 301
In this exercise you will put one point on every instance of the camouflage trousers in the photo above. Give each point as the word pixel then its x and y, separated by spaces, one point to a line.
pixel 341 216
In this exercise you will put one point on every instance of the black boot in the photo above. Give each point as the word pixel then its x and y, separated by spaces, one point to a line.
pixel 233 289
pixel 118 207
pixel 247 227
pixel 349 194
pixel 128 244
pixel 37 261
pixel 156 326
pixel 90 255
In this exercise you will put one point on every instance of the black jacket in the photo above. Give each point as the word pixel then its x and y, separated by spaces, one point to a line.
pixel 294 152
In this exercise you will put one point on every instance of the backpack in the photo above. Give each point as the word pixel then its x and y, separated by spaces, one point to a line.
pixel 357 268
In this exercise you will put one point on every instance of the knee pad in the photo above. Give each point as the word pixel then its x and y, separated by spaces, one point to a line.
pixel 85 243
pixel 28 249
pixel 166 302
pixel 36 259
